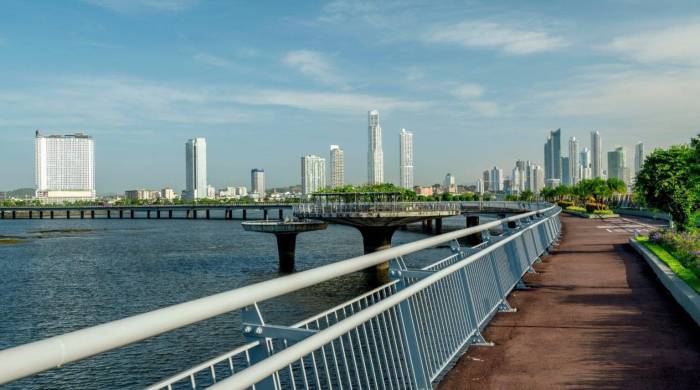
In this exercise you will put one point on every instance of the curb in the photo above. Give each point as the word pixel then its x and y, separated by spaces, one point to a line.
pixel 590 216
pixel 681 292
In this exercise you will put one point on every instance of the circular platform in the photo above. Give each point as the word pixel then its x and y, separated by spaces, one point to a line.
pixel 283 226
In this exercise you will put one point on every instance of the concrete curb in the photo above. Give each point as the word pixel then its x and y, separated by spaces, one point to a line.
pixel 682 293
pixel 590 216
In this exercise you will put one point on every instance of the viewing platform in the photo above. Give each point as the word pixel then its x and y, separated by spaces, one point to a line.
pixel 286 234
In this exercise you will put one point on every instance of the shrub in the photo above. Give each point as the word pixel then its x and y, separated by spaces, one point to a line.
pixel 591 207
pixel 684 246
pixel 576 208
pixel 602 212
pixel 565 203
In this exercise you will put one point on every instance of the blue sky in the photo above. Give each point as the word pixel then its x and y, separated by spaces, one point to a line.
pixel 479 83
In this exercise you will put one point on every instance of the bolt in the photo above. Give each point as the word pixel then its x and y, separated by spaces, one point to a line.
pixel 247 329
pixel 258 330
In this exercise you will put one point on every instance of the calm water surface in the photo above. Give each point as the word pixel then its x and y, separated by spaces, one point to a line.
pixel 71 274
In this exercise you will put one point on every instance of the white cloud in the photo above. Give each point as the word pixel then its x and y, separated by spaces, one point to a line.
pixel 674 45
pixel 511 40
pixel 471 96
pixel 468 91
pixel 315 65
pixel 210 59
pixel 138 5
pixel 334 102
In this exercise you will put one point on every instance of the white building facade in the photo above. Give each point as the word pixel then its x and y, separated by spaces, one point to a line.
pixel 638 157
pixel 65 168
pixel 195 169
pixel 496 179
pixel 313 174
pixel 596 155
pixel 574 164
pixel 406 159
pixel 337 167
pixel 375 155
pixel 450 184
pixel 257 182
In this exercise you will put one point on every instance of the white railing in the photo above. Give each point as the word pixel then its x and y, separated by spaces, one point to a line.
pixel 401 335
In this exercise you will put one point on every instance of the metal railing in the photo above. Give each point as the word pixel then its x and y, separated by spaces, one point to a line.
pixel 320 208
pixel 403 334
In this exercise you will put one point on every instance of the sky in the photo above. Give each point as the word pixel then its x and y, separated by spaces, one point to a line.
pixel 480 84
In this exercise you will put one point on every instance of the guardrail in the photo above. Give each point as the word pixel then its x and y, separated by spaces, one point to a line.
pixel 401 335
pixel 319 208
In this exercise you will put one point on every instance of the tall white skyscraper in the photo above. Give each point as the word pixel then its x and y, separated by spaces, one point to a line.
pixel 617 164
pixel 257 182
pixel 535 178
pixel 65 167
pixel 375 155
pixel 195 169
pixel 574 165
pixel 450 183
pixel 313 174
pixel 596 155
pixel 406 159
pixel 496 179
pixel 337 167
pixel 638 157
pixel 586 169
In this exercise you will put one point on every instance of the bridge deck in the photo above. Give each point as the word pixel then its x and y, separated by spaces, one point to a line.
pixel 596 318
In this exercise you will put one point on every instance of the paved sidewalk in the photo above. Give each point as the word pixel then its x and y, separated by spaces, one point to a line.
pixel 595 318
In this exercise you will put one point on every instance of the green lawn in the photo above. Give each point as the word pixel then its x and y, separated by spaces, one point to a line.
pixel 687 275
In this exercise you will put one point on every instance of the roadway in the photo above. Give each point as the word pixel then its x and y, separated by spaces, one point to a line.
pixel 595 317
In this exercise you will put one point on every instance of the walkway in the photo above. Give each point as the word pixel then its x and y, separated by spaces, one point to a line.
pixel 595 318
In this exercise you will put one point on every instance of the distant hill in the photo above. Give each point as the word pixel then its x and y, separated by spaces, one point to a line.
pixel 20 193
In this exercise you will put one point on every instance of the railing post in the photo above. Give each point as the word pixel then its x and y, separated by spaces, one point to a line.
pixel 415 356
pixel 252 315
pixel 476 338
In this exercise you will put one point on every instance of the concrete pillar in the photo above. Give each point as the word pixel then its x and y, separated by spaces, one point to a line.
pixel 207 213
pixel 158 214
pixel 2 214
pixel 121 214
pixel 148 214
pixel 51 214
pixel 245 216
pixel 92 214
pixel 281 213
pixel 82 214
pixel 170 214
pixel 194 214
pixel 265 214
pixel 132 213
pixel 286 246
pixel 109 214
pixel 30 214
pixel 14 214
pixel 67 214
pixel 473 239
pixel 438 225
pixel 377 238
pixel 428 226
pixel 41 214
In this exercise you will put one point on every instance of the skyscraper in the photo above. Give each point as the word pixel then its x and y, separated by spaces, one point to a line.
pixel 566 169
pixel 450 184
pixel 617 163
pixel 257 182
pixel 586 170
pixel 313 174
pixel 574 165
pixel 65 167
pixel 486 175
pixel 552 155
pixel 535 181
pixel 496 179
pixel 638 157
pixel 337 167
pixel 375 156
pixel 406 159
pixel 597 155
pixel 195 169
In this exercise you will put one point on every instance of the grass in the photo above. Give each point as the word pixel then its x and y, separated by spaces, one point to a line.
pixel 576 208
pixel 684 273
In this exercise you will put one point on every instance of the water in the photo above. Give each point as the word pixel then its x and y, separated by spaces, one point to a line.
pixel 71 274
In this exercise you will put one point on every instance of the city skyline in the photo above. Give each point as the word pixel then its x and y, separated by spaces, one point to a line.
pixel 223 84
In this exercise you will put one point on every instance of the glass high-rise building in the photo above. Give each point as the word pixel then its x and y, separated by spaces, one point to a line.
pixel 337 167
pixel 257 181
pixel 552 155
pixel 195 169
pixel 586 170
pixel 496 179
pixel 574 164
pixel 617 164
pixel 313 174
pixel 596 155
pixel 375 155
pixel 638 157
pixel 406 159
pixel 566 178
pixel 65 167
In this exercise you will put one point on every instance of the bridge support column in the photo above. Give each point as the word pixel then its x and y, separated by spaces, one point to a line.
pixel 428 226
pixel 67 214
pixel 41 214
pixel 31 216
pixel 194 214
pixel 207 213
pixel 14 214
pixel 92 214
pixel 109 214
pixel 132 214
pixel 245 214
pixel 476 238
pixel 121 214
pixel 2 214
pixel 170 214
pixel 438 225
pixel 377 238
pixel 82 214
pixel 51 214
pixel 281 214
pixel 158 214
pixel 265 214
pixel 148 214
pixel 286 246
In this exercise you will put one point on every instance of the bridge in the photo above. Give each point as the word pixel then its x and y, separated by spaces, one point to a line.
pixel 188 211
pixel 423 327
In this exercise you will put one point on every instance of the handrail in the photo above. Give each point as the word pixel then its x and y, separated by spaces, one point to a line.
pixel 32 358
pixel 257 372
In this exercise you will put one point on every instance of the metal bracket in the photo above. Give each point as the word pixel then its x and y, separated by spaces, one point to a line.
pixel 531 270
pixel 405 273
pixel 455 247
pixel 251 330
pixel 521 285
pixel 505 307
pixel 478 340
